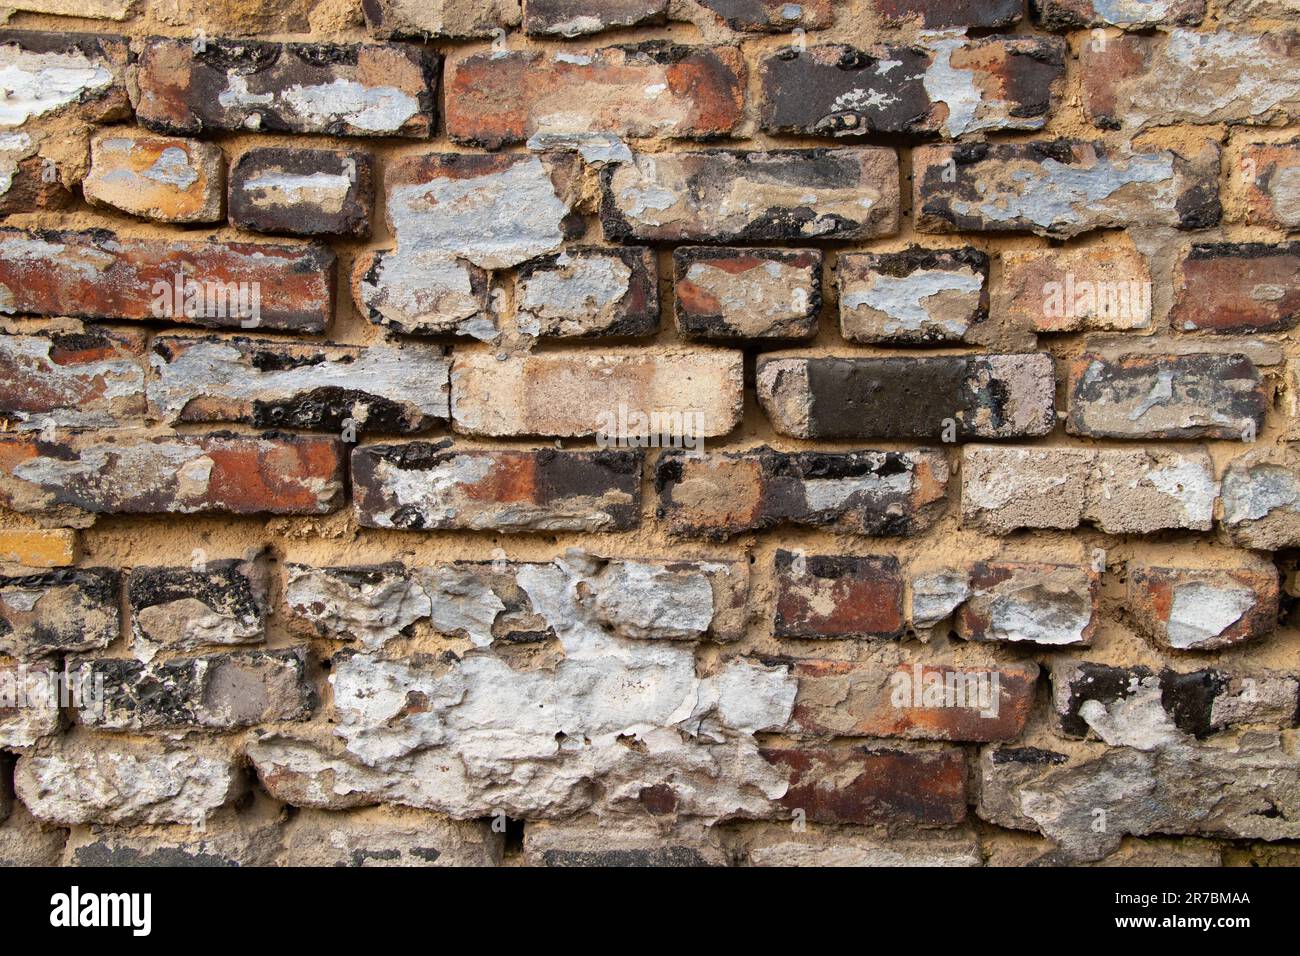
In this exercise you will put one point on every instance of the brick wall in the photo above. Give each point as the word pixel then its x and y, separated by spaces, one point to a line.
pixel 654 431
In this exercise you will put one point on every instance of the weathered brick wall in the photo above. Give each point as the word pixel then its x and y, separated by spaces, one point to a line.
pixel 330 330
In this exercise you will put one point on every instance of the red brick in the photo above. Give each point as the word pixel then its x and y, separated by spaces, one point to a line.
pixel 499 98
pixel 866 786
pixel 97 274
pixel 341 90
pixel 88 379
pixel 827 597
pixel 170 474
pixel 915 701
pixel 1231 288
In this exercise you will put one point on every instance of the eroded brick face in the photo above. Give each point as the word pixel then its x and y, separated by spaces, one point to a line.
pixel 691 433
pixel 641 91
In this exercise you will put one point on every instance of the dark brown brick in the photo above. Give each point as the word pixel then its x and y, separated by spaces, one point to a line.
pixel 570 18
pixel 1172 396
pixel 1061 188
pixel 952 398
pixel 831 597
pixel 865 786
pixel 499 98
pixel 420 485
pixel 1231 288
pixel 92 70
pixel 868 492
pixel 303 192
pixel 842 91
pixel 223 285
pixel 773 16
pixel 341 90
pixel 945 14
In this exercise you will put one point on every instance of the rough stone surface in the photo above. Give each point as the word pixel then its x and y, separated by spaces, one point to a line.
pixel 916 297
pixel 221 602
pixel 303 192
pixel 389 837
pixel 786 195
pixel 101 779
pixel 29 705
pixel 1261 499
pixel 951 86
pixel 838 848
pixel 868 492
pixel 951 398
pixel 1120 491
pixel 1060 188
pixel 596 844
pixel 56 612
pixel 488 602
pixel 362 90
pixel 421 485
pixel 229 285
pixel 219 691
pixel 163 178
pixel 1244 789
pixel 742 294
pixel 652 89
pixel 271 384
